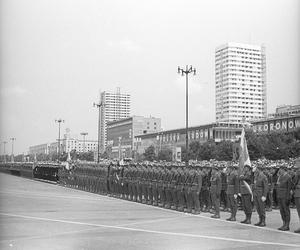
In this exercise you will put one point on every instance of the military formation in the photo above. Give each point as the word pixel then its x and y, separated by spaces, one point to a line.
pixel 200 187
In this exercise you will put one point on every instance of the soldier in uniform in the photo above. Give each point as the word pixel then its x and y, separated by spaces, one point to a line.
pixel 283 196
pixel 223 197
pixel 195 190
pixel 204 193
pixel 215 190
pixel 296 189
pixel 179 189
pixel 232 191
pixel 246 180
pixel 260 190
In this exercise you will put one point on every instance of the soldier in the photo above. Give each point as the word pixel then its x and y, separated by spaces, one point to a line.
pixel 283 197
pixel 232 191
pixel 296 189
pixel 195 190
pixel 187 188
pixel 168 187
pixel 155 178
pixel 174 182
pixel 204 193
pixel 260 190
pixel 161 187
pixel 215 190
pixel 179 189
pixel 223 197
pixel 246 180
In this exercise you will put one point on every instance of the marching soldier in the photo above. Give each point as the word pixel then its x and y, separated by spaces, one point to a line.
pixel 246 194
pixel 283 197
pixel 204 193
pixel 215 190
pixel 260 190
pixel 232 191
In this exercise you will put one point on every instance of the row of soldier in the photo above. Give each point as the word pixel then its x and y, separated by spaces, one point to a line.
pixel 195 188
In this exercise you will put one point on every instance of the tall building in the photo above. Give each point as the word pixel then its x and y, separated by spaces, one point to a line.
pixel 240 77
pixel 115 106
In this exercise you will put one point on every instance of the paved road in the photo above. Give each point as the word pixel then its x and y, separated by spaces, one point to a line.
pixel 37 215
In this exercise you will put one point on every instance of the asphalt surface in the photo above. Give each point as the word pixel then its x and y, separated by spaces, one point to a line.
pixel 37 215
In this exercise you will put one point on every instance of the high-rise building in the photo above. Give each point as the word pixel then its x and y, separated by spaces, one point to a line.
pixel 115 106
pixel 240 76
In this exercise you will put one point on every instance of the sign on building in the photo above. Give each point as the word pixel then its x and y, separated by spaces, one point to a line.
pixel 176 154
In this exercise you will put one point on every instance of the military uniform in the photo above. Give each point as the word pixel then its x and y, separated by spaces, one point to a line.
pixel 283 196
pixel 215 191
pixel 232 192
pixel 260 190
pixel 296 188
pixel 196 185
pixel 246 180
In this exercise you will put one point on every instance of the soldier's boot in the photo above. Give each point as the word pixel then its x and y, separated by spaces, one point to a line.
pixel 248 221
pixel 280 228
pixel 229 219
pixel 215 216
pixel 259 222
pixel 286 226
pixel 297 231
pixel 263 222
pixel 244 221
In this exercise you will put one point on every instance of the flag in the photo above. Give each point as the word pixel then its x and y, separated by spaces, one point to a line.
pixel 244 159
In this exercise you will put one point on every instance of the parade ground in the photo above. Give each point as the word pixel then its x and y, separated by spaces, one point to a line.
pixel 39 215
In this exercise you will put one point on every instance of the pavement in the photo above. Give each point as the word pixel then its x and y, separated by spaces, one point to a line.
pixel 38 215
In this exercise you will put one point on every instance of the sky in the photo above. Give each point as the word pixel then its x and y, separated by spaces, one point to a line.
pixel 57 55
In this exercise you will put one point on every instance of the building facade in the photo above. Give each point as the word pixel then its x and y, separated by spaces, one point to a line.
pixel 121 134
pixel 115 106
pixel 280 124
pixel 39 149
pixel 71 142
pixel 240 80
pixel 170 139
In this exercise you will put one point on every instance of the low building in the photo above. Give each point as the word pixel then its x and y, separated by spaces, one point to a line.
pixel 287 123
pixel 121 134
pixel 170 139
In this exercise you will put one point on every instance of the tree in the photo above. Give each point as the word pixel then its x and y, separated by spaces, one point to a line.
pixel 150 153
pixel 165 155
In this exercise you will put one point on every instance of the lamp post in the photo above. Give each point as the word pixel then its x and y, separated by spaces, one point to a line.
pixel 4 143
pixel 186 72
pixel 59 121
pixel 98 105
pixel 84 134
pixel 12 148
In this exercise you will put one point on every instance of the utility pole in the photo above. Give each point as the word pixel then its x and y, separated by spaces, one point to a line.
pixel 12 148
pixel 4 153
pixel 98 105
pixel 84 134
pixel 186 72
pixel 59 121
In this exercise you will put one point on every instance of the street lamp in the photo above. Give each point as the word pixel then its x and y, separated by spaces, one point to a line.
pixel 4 153
pixel 98 105
pixel 59 121
pixel 12 148
pixel 186 72
pixel 84 134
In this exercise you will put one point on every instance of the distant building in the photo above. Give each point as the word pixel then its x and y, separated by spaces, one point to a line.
pixel 121 133
pixel 240 78
pixel 115 106
pixel 71 142
pixel 287 110
pixel 170 139
pixel 39 149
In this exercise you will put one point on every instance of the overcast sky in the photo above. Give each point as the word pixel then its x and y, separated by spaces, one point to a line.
pixel 56 55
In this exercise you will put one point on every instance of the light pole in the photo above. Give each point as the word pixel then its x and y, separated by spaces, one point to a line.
pixel 59 121
pixel 98 105
pixel 12 148
pixel 186 72
pixel 84 134
pixel 4 150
